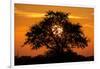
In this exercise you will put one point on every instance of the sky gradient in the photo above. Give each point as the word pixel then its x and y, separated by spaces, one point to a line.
pixel 27 15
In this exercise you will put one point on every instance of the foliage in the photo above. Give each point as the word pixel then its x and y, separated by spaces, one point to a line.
pixel 56 32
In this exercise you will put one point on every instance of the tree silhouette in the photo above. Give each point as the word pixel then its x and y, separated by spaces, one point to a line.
pixel 57 33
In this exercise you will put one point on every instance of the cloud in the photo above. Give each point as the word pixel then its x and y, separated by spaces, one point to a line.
pixel 29 14
pixel 39 15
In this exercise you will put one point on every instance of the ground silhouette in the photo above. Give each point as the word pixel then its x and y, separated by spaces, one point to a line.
pixel 52 58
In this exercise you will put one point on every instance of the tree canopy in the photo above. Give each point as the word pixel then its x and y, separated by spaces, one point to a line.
pixel 56 32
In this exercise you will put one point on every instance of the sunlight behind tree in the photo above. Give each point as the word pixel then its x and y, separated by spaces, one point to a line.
pixel 57 30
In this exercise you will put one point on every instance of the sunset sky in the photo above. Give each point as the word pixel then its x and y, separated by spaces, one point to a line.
pixel 27 15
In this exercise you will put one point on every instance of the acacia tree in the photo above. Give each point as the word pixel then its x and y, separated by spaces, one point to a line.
pixel 56 32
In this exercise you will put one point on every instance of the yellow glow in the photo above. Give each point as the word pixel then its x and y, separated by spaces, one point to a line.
pixel 39 15
pixel 75 17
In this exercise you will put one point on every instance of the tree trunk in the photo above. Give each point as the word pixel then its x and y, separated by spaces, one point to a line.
pixel 59 51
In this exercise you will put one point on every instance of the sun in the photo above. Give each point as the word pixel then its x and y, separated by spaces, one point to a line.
pixel 57 30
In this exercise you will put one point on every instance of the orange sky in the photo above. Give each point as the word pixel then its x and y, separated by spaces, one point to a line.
pixel 27 15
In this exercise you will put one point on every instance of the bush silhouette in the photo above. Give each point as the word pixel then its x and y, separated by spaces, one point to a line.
pixel 50 57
